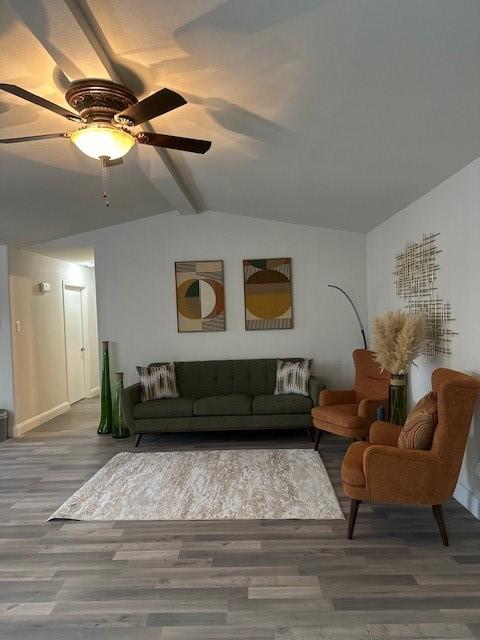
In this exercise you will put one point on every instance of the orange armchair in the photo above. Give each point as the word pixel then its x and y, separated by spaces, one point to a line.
pixel 379 471
pixel 350 413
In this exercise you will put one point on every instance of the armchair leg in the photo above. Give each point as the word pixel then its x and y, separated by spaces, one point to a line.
pixel 139 437
pixel 354 504
pixel 309 434
pixel 317 439
pixel 438 514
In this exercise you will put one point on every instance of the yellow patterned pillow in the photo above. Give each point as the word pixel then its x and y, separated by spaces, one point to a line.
pixel 419 428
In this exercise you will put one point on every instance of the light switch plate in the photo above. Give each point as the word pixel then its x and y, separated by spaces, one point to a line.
pixel 18 326
pixel 44 287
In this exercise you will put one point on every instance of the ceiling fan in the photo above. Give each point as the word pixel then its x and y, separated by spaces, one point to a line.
pixel 106 113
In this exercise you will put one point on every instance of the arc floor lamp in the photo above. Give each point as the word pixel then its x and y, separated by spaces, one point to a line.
pixel 362 331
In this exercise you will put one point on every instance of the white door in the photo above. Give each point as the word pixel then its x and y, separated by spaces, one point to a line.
pixel 74 342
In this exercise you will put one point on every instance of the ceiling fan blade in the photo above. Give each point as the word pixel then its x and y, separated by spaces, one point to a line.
pixel 174 142
pixel 41 102
pixel 45 136
pixel 155 105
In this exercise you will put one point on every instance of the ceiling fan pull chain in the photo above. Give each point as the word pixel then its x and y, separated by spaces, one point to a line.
pixel 104 162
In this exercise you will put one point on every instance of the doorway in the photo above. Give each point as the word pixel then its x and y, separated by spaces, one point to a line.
pixel 75 339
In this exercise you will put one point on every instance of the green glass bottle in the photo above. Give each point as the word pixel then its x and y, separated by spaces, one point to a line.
pixel 105 425
pixel 119 427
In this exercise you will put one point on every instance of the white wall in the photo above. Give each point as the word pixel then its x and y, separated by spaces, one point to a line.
pixel 134 264
pixel 6 378
pixel 39 362
pixel 453 210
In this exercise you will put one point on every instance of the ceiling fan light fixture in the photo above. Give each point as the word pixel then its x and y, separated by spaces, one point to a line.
pixel 103 141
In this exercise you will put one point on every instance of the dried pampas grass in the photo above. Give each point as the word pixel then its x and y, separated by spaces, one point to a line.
pixel 398 338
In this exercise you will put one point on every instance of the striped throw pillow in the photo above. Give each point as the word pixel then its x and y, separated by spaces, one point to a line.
pixel 419 428
pixel 158 382
pixel 292 377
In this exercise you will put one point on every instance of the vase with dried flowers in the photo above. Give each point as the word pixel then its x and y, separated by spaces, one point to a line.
pixel 398 339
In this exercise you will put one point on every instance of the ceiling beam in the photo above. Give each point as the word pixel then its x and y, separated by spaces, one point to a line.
pixel 70 34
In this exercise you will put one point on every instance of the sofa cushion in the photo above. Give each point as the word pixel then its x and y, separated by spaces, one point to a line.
pixel 204 378
pixel 278 405
pixel 343 415
pixel 231 404
pixel 165 408
pixel 352 465
pixel 222 377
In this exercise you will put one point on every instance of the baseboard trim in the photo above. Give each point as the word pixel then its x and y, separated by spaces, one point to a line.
pixel 468 499
pixel 93 393
pixel 35 421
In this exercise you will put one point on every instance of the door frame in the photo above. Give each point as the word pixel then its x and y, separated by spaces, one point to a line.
pixel 82 289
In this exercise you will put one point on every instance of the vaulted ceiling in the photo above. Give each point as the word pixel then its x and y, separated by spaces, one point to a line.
pixel 333 113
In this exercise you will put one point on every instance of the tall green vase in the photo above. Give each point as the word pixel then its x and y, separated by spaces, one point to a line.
pixel 105 425
pixel 398 399
pixel 119 427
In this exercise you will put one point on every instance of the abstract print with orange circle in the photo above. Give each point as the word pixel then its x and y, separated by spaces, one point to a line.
pixel 268 293
pixel 200 296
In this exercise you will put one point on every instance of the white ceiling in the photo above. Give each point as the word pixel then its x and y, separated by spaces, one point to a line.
pixel 333 113
pixel 83 256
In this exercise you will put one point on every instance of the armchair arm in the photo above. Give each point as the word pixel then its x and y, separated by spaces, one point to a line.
pixel 131 397
pixel 401 475
pixel 384 433
pixel 315 385
pixel 335 396
pixel 367 407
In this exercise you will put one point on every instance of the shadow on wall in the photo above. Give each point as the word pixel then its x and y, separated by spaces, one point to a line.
pixel 34 16
pixel 469 481
pixel 241 16
pixel 472 453
pixel 236 118
pixel 202 38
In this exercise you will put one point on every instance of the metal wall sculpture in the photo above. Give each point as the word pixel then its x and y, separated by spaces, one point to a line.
pixel 416 282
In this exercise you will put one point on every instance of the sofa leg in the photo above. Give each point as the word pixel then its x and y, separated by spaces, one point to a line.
pixel 139 437
pixel 317 439
pixel 438 514
pixel 354 504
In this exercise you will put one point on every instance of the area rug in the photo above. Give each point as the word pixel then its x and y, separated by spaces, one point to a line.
pixel 207 485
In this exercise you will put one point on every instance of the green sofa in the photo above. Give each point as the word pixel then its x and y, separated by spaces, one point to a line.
pixel 222 395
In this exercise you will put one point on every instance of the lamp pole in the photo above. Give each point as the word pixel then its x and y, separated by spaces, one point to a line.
pixel 334 286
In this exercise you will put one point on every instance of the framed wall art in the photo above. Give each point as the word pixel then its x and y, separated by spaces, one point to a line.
pixel 200 295
pixel 268 293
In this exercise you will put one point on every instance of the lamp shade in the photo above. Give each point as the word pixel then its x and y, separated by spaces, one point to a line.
pixel 103 141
